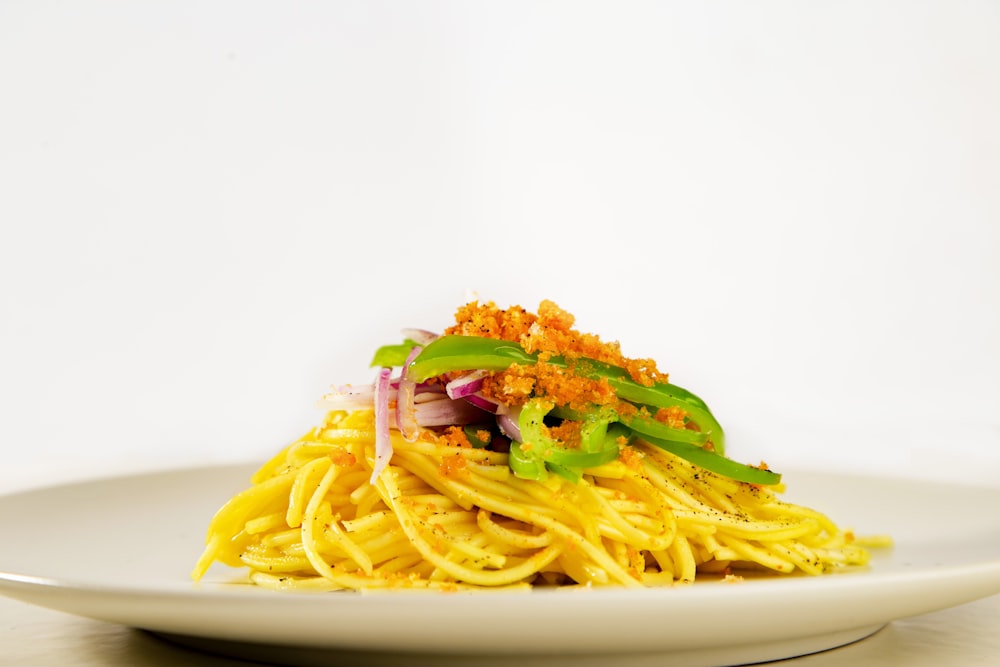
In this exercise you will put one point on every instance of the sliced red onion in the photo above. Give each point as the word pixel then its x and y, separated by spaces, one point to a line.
pixel 447 412
pixel 484 403
pixel 466 384
pixel 362 398
pixel 428 396
pixel 349 397
pixel 422 387
pixel 406 417
pixel 507 421
pixel 419 336
pixel 353 389
pixel 383 442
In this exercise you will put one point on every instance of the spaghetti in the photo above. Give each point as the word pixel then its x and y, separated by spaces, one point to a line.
pixel 352 505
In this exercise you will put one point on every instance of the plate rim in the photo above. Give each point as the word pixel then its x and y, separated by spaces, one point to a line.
pixel 953 584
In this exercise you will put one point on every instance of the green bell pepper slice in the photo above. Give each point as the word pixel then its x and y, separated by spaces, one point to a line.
pixel 463 353
pixel 547 453
pixel 455 353
pixel 472 432
pixel 459 353
pixel 712 461
pixel 524 464
pixel 393 355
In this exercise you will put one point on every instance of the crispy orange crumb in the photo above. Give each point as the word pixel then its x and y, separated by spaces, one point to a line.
pixel 549 333
pixel 632 458
pixel 451 465
pixel 567 433
pixel 343 458
pixel 456 437
pixel 672 416
pixel 626 409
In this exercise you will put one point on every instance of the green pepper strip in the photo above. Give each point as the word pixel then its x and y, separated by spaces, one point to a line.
pixel 648 426
pixel 640 424
pixel 682 442
pixel 454 353
pixel 580 459
pixel 472 432
pixel 546 453
pixel 393 355
pixel 638 393
pixel 530 424
pixel 710 460
pixel 660 395
pixel 463 353
pixel 524 464
pixel 594 430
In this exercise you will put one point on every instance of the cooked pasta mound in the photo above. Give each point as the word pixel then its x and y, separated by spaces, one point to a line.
pixel 452 516
pixel 512 451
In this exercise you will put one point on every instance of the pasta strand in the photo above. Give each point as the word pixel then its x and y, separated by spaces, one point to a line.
pixel 448 517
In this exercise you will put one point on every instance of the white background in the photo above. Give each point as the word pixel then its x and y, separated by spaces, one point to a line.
pixel 212 211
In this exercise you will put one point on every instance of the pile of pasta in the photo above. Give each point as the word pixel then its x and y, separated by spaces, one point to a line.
pixel 448 517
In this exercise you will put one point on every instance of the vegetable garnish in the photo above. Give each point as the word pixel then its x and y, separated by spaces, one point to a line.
pixel 565 400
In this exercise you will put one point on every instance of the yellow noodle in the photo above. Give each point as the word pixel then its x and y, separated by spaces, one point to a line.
pixel 505 535
pixel 305 484
pixel 683 558
pixel 454 518
pixel 351 549
pixel 265 523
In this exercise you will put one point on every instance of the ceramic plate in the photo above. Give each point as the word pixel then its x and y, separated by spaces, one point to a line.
pixel 121 550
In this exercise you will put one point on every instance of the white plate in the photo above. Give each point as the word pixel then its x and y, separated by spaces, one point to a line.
pixel 120 550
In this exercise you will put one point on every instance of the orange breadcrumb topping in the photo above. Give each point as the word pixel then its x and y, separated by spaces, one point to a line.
pixel 450 465
pixel 491 322
pixel 342 458
pixel 456 437
pixel 672 416
pixel 630 457
pixel 519 383
pixel 568 433
pixel 549 333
